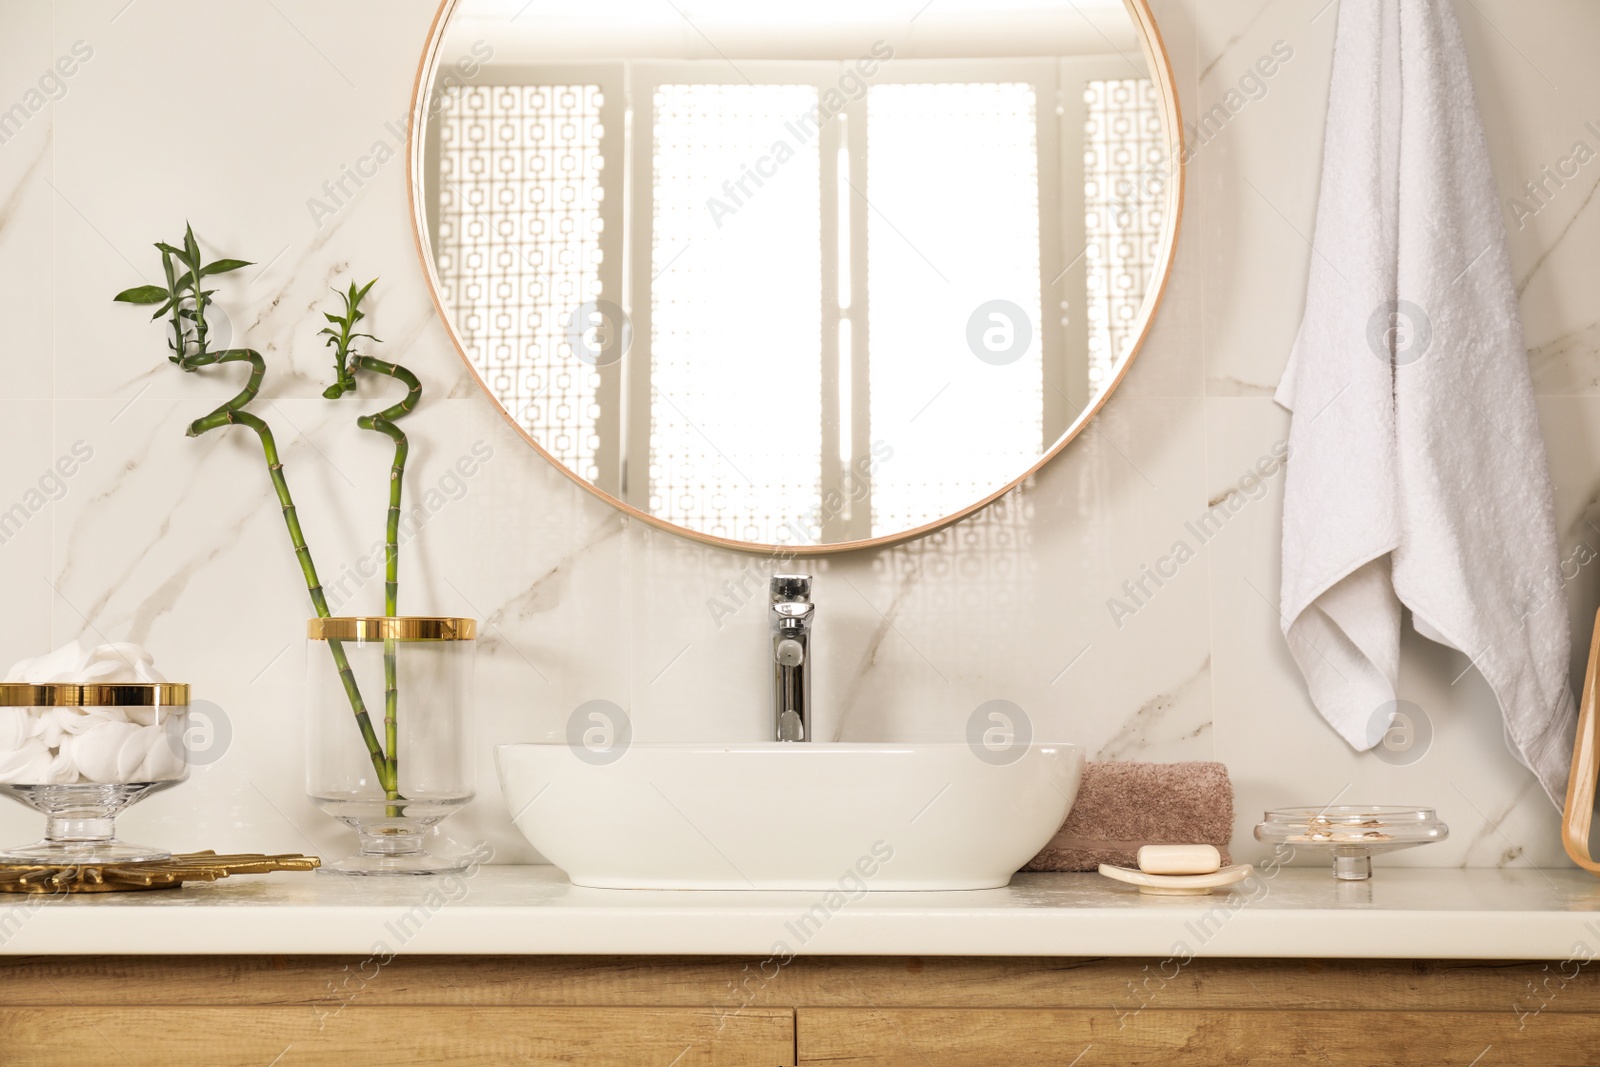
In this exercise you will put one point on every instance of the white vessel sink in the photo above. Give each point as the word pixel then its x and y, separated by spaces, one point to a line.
pixel 809 816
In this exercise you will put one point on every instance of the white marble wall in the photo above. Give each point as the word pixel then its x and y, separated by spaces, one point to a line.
pixel 233 115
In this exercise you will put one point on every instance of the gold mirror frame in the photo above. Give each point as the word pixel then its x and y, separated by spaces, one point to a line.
pixel 1161 68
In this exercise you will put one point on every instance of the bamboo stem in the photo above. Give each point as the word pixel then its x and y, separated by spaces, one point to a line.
pixel 383 422
pixel 231 413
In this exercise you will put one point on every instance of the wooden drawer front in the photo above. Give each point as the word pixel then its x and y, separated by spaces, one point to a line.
pixel 392 1037
pixel 985 1037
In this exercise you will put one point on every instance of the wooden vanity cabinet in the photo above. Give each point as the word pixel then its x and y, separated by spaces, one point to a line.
pixel 684 1012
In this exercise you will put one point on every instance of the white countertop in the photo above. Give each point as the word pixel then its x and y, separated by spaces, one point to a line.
pixel 1301 912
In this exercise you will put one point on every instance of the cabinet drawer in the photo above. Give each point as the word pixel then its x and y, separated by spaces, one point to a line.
pixel 392 1037
pixel 1269 1038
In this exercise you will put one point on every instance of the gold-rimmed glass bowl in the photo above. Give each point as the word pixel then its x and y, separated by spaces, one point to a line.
pixel 82 753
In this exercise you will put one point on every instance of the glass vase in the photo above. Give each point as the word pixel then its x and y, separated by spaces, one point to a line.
pixel 387 714
pixel 80 754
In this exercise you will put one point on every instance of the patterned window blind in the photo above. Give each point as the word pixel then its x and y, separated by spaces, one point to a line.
pixel 1125 176
pixel 518 249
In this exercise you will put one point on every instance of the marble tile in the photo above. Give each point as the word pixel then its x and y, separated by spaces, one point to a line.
pixel 1571 427
pixel 1257 172
pixel 35 483
pixel 1537 87
pixel 32 489
pixel 697 630
pixel 31 89
pixel 542 564
pixel 319 88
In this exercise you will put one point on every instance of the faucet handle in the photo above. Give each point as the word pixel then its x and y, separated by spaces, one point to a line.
pixel 790 587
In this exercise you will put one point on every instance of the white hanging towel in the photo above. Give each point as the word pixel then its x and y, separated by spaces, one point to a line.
pixel 1417 473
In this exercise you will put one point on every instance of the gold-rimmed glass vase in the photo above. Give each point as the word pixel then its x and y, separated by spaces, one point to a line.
pixel 388 702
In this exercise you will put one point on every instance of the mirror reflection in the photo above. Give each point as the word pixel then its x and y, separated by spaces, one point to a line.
pixel 799 275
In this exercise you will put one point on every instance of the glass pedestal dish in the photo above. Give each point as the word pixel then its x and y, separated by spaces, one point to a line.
pixel 81 754
pixel 387 734
pixel 1350 834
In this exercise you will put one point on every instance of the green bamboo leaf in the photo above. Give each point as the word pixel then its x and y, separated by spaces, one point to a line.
pixel 191 246
pixel 142 294
pixel 162 310
pixel 177 253
pixel 223 266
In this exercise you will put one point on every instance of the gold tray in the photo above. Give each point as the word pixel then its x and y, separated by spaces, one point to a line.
pixel 160 874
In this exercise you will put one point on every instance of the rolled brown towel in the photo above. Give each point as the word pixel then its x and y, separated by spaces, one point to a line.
pixel 1121 806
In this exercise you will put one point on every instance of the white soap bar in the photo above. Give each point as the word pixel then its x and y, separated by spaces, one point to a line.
pixel 1179 859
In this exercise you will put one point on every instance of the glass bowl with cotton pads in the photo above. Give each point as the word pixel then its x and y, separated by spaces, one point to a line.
pixel 1349 834
pixel 80 753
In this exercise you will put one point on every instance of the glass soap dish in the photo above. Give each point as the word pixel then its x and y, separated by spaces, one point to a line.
pixel 1350 833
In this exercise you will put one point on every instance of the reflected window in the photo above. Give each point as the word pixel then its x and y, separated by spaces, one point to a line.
pixel 848 311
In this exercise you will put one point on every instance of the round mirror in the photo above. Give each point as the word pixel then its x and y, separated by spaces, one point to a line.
pixel 807 276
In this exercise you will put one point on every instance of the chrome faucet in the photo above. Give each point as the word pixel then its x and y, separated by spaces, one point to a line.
pixel 789 622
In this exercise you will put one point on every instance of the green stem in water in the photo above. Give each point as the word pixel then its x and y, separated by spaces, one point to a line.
pixel 384 422
pixel 232 413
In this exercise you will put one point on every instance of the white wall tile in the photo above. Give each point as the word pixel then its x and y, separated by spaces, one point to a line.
pixel 32 488
pixel 31 89
pixel 286 96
